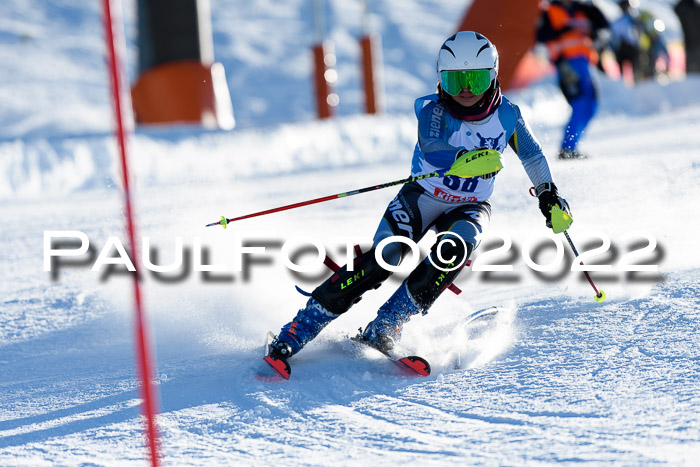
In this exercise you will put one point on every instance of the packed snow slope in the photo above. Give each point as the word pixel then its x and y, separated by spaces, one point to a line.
pixel 553 377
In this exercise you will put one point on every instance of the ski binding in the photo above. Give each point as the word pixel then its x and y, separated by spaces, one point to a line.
pixel 280 365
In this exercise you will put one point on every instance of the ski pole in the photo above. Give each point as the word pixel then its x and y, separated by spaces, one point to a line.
pixel 560 223
pixel 599 294
pixel 469 164
pixel 224 221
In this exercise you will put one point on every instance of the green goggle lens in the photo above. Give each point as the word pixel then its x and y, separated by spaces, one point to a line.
pixel 477 81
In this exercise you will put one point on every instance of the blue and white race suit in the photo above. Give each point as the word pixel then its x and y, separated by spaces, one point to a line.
pixel 451 205
pixel 441 136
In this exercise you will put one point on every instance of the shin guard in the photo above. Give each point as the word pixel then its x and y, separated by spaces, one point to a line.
pixel 427 281
pixel 345 288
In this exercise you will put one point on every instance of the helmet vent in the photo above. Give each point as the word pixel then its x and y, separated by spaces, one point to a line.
pixel 444 47
pixel 464 51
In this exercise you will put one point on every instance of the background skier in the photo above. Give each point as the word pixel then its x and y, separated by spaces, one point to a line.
pixel 569 29
pixel 467 112
pixel 626 33
pixel 654 59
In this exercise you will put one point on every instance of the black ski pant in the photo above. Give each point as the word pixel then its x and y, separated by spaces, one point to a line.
pixel 411 214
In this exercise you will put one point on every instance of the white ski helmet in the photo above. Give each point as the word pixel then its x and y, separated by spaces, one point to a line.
pixel 466 50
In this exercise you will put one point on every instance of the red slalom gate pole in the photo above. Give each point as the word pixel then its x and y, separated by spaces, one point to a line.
pixel 324 56
pixel 368 45
pixel 141 339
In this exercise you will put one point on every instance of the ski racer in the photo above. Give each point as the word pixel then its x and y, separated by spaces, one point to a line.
pixel 467 112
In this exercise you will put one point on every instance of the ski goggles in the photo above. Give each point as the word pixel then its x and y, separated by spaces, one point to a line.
pixel 453 81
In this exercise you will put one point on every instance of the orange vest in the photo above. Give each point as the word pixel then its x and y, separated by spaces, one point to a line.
pixel 572 43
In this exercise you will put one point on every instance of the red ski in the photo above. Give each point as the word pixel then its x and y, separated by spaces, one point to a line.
pixel 280 366
pixel 411 365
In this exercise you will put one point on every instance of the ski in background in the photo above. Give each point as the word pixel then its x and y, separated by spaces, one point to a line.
pixel 478 316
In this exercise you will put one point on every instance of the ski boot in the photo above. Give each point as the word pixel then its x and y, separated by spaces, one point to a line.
pixel 567 154
pixel 279 350
pixel 385 330
pixel 304 327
